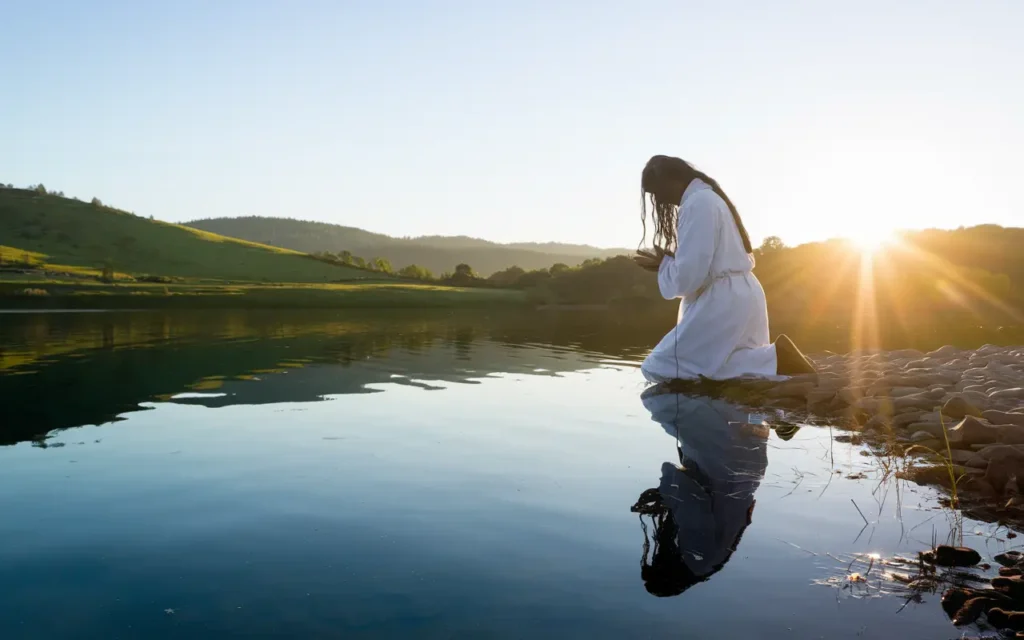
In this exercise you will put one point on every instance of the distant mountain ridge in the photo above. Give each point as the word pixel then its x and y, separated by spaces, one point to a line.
pixel 437 253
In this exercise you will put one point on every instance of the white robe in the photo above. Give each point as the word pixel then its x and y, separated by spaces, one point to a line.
pixel 722 331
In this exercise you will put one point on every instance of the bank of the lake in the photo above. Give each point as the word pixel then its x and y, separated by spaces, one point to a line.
pixel 45 295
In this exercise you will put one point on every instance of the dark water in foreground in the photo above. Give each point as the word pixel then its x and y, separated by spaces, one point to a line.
pixel 272 475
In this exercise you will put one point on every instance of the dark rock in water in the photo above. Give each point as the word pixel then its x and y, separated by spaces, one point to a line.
pixel 973 608
pixel 1012 586
pixel 946 556
pixel 1009 559
pixel 940 475
pixel 954 599
pixel 1008 572
pixel 958 408
pixel 1003 619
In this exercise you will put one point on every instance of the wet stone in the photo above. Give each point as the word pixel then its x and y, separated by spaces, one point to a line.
pixel 1004 619
pixel 1009 558
pixel 947 556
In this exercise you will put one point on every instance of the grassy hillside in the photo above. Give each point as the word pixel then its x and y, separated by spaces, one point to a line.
pixel 80 237
pixel 436 253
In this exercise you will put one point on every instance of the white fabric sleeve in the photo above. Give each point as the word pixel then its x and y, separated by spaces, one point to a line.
pixel 697 235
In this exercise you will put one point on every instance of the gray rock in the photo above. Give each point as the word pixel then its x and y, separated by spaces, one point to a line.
pixel 905 353
pixel 943 352
pixel 958 408
pixel 819 396
pixel 922 400
pixel 792 389
pixel 971 431
pixel 1004 417
pixel 877 423
pixel 933 429
pixel 850 395
pixel 938 474
pixel 899 392
pixel 980 400
pixel 931 445
pixel 903 420
pixel 992 451
pixel 968 459
pixel 1010 433
pixel 1004 470
pixel 921 436
pixel 1015 393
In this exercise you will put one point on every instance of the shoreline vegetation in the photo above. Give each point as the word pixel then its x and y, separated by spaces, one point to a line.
pixel 48 295
pixel 58 251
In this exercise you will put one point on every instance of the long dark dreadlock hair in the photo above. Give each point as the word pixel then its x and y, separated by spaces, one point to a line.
pixel 658 175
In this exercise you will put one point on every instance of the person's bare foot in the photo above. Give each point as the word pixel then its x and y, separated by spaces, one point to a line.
pixel 790 360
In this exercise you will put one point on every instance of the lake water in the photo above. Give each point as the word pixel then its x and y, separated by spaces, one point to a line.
pixel 344 475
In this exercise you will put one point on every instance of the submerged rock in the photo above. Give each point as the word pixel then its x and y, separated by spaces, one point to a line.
pixel 1004 619
pixel 953 600
pixel 947 556
pixel 1009 558
pixel 1012 586
pixel 973 608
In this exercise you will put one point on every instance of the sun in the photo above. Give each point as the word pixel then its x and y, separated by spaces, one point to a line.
pixel 870 241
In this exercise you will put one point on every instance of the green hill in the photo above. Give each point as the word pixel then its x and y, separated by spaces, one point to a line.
pixel 76 236
pixel 437 253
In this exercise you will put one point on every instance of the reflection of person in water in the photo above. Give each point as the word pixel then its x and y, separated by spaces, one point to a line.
pixel 703 505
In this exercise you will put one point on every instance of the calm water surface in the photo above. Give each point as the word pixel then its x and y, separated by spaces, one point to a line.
pixel 331 475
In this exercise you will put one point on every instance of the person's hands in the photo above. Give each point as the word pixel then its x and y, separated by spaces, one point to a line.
pixel 648 260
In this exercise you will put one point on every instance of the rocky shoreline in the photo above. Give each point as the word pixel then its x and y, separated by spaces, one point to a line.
pixel 961 409
pixel 958 412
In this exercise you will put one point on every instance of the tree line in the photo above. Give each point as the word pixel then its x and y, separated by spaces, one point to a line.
pixel 40 189
pixel 980 268
pixel 977 271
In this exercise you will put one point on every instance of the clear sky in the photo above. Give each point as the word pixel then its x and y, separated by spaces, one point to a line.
pixel 524 120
